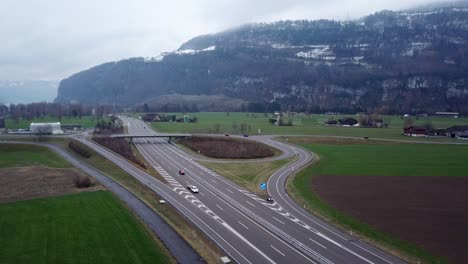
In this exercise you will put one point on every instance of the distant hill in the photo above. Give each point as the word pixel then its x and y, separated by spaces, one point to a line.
pixel 27 91
pixel 392 62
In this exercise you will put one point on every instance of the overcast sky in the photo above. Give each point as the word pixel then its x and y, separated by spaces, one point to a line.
pixel 52 39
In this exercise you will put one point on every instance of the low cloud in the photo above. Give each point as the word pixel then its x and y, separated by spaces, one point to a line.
pixel 52 39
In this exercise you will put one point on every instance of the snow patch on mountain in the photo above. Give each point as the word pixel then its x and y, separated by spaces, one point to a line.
pixel 319 52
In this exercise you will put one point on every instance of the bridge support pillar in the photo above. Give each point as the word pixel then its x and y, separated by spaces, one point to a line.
pixel 170 139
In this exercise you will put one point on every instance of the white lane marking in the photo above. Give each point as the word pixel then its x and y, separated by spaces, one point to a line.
pixel 343 247
pixel 229 191
pixel 219 207
pixel 250 203
pixel 249 219
pixel 242 225
pixel 317 243
pixel 371 253
pixel 278 220
pixel 201 194
pixel 238 234
pixel 277 250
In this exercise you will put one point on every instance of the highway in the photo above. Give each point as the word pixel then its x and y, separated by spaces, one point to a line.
pixel 249 229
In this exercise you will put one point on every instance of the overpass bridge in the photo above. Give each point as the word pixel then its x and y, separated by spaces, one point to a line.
pixel 170 136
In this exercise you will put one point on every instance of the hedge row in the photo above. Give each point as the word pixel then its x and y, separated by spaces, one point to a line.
pixel 76 147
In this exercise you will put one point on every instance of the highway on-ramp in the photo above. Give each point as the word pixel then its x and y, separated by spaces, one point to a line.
pixel 248 228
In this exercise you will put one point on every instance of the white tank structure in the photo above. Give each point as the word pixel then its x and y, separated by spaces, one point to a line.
pixel 46 128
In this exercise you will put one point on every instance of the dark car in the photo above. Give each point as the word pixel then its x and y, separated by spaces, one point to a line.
pixel 226 134
pixel 245 135
pixel 269 199
pixel 181 172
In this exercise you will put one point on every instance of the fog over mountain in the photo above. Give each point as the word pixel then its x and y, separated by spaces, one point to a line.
pixel 391 62
pixel 28 91
pixel 53 39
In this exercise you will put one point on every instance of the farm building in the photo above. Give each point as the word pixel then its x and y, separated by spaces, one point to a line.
pixel 415 131
pixel 456 131
pixel 151 117
pixel 347 121
pixel 46 128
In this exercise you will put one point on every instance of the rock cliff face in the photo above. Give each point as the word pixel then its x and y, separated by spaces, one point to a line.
pixel 392 62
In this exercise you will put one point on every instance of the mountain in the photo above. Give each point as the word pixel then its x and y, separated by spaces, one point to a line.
pixel 27 91
pixel 390 62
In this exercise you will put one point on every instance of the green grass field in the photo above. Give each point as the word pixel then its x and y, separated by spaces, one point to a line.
pixel 391 160
pixel 23 155
pixel 302 125
pixel 85 121
pixel 81 228
pixel 377 160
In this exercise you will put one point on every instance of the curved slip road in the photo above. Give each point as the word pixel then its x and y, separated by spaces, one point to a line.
pixel 280 231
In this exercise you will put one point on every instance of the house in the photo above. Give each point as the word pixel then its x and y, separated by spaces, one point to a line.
pixel 456 131
pixel 347 121
pixel 151 117
pixel 415 131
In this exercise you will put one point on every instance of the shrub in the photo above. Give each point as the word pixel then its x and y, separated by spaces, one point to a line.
pixel 81 181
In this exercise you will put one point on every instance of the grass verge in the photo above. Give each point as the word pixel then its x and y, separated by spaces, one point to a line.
pixel 85 227
pixel 248 175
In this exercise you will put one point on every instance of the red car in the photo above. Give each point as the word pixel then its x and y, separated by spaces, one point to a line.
pixel 181 172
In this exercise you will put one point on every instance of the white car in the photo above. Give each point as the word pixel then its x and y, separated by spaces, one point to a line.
pixel 192 188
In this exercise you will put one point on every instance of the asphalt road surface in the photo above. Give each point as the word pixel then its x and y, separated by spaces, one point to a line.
pixel 248 228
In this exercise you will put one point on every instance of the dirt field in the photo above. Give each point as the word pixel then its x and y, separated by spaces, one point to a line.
pixel 227 148
pixel 23 183
pixel 431 212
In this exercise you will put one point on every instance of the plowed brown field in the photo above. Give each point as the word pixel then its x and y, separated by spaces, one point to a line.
pixel 431 212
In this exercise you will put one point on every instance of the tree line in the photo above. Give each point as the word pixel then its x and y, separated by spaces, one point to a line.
pixel 57 110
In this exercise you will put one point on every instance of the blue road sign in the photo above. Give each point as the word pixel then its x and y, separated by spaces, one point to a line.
pixel 263 186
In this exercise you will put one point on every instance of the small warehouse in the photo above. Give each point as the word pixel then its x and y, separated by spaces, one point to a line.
pixel 46 128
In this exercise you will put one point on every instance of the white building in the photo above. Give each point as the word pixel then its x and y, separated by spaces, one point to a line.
pixel 46 128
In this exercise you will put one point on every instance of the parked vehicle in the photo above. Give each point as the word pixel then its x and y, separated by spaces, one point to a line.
pixel 181 172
